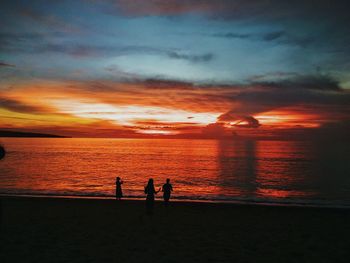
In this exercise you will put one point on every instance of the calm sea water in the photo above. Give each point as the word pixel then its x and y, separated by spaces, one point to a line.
pixel 259 171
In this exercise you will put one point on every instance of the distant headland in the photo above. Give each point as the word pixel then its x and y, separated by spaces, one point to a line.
pixel 6 133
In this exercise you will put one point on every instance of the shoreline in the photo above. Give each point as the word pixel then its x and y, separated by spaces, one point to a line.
pixel 184 200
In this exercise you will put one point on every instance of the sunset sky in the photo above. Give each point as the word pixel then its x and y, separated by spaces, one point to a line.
pixel 176 68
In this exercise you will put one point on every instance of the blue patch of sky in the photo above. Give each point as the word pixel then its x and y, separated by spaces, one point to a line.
pixel 85 37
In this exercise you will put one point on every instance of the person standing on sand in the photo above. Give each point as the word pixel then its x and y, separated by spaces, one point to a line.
pixel 167 189
pixel 2 152
pixel 150 191
pixel 2 155
pixel 118 188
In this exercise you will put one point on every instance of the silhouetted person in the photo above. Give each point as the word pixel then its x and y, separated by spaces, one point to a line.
pixel 2 155
pixel 150 191
pixel 2 152
pixel 167 189
pixel 118 188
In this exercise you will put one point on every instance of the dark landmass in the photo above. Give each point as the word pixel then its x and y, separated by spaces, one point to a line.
pixel 88 230
pixel 5 133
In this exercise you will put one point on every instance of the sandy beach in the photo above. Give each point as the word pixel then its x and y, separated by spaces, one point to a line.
pixel 90 230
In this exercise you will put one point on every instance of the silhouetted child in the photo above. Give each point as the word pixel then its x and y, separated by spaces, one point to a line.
pixel 150 191
pixel 167 189
pixel 118 188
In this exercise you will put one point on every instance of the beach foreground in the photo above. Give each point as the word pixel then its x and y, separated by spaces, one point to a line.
pixel 92 230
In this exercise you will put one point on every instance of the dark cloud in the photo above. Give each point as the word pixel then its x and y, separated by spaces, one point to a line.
pixel 278 75
pixel 192 58
pixel 248 122
pixel 323 25
pixel 266 36
pixel 233 35
pixel 157 7
pixel 30 42
pixel 12 38
pixel 300 41
pixel 314 94
pixel 4 64
pixel 255 100
pixel 249 98
pixel 121 74
pixel 311 82
pixel 102 87
pixel 239 121
pixel 17 106
pixel 280 37
pixel 167 84
pixel 38 43
pixel 318 93
pixel 158 124
pixel 50 20
pixel 239 9
pixel 78 50
pixel 273 35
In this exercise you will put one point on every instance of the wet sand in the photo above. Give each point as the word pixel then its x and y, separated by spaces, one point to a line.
pixel 87 230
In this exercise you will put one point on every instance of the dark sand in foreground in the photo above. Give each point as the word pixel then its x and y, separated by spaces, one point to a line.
pixel 82 230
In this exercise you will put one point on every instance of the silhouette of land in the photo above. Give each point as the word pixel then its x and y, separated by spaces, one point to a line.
pixel 83 230
pixel 6 133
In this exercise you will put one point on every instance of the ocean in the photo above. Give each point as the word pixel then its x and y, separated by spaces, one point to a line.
pixel 269 172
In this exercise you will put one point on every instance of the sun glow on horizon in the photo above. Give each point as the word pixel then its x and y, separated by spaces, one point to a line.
pixel 288 119
pixel 157 132
pixel 132 115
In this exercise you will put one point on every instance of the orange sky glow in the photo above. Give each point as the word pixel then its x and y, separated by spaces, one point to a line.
pixel 140 110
